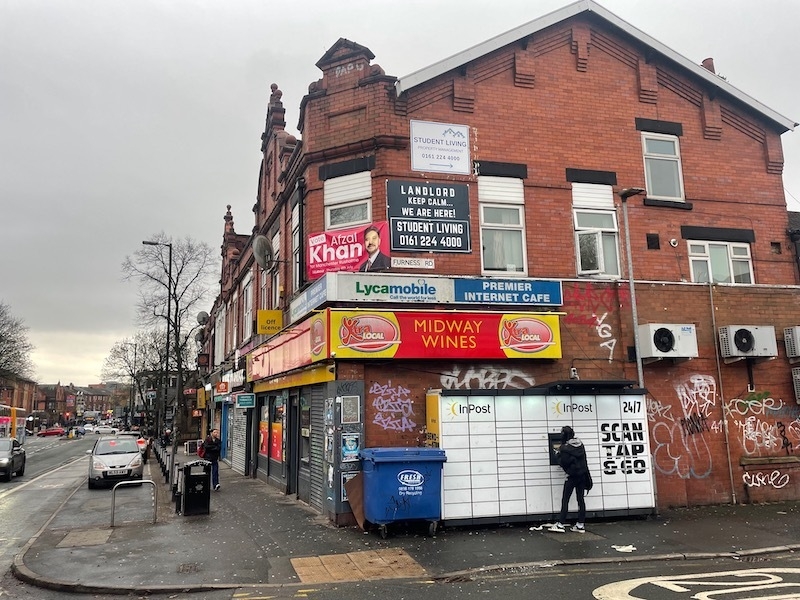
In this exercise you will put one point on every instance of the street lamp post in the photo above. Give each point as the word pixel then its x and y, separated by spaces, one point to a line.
pixel 165 386
pixel 624 195
pixel 134 387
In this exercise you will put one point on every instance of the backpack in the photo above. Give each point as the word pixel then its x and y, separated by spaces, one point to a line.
pixel 201 450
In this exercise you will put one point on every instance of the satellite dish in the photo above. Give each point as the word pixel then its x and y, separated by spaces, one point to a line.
pixel 664 339
pixel 744 340
pixel 202 317
pixel 262 250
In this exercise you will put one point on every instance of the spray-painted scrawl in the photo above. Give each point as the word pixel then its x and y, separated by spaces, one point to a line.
pixel 679 446
pixel 393 407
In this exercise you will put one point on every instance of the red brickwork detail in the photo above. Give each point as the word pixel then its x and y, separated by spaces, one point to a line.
pixel 712 119
pixel 524 69
pixel 580 47
pixel 648 82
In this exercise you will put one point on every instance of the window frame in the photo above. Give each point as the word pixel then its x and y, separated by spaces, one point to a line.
pixel 652 156
pixel 275 274
pixel 247 307
pixel 508 194
pixel 345 192
pixel 600 234
pixel 731 259
pixel 297 265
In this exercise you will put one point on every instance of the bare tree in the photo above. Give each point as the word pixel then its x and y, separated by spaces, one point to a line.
pixel 175 281
pixel 15 348
pixel 140 361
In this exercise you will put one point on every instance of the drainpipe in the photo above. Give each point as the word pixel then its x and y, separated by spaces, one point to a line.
pixel 721 391
pixel 624 195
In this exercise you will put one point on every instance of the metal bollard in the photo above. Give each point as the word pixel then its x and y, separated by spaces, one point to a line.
pixel 155 496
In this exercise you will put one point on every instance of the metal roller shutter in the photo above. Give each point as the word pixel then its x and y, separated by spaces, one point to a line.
pixel 239 441
pixel 317 465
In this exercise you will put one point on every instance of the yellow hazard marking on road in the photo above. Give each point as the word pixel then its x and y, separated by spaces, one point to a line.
pixel 386 563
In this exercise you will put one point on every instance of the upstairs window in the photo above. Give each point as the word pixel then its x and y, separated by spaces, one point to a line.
pixel 247 307
pixel 596 233
pixel 275 274
pixel 297 263
pixel 502 219
pixel 720 262
pixel 596 240
pixel 348 200
pixel 662 166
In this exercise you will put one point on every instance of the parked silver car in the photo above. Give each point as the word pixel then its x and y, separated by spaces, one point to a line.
pixel 114 459
pixel 12 458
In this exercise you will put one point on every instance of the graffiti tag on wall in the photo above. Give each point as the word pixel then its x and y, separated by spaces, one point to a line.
pixel 485 377
pixel 758 436
pixel 591 307
pixel 679 446
pixel 776 479
pixel 393 407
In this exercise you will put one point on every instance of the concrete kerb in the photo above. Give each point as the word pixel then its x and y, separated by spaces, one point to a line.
pixel 23 573
pixel 542 564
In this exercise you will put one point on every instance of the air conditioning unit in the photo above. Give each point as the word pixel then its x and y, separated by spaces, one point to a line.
pixel 791 338
pixel 666 340
pixel 747 341
pixel 796 383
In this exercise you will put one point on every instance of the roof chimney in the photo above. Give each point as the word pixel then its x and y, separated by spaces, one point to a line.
pixel 708 63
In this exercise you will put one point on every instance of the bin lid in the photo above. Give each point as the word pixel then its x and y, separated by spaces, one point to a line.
pixel 195 463
pixel 423 454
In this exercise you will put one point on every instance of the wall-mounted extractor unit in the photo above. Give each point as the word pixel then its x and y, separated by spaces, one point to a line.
pixel 747 341
pixel 796 383
pixel 658 341
pixel 791 338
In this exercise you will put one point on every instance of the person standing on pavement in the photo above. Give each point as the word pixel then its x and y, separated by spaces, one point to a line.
pixel 212 446
pixel 572 458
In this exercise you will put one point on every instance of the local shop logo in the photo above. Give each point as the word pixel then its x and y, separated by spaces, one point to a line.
pixel 368 333
pixel 525 334
pixel 457 409
pixel 411 478
pixel 317 336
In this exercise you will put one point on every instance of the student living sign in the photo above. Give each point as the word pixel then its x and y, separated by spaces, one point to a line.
pixel 428 216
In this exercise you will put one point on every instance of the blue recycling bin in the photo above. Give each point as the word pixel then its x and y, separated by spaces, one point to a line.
pixel 402 484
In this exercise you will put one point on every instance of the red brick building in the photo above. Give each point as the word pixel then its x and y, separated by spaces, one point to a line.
pixel 515 179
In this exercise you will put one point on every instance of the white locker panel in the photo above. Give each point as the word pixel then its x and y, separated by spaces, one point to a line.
pixel 498 452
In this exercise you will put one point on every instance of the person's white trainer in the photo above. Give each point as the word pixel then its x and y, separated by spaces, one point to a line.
pixel 557 528
pixel 578 528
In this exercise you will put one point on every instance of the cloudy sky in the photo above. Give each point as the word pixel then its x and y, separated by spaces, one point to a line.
pixel 121 119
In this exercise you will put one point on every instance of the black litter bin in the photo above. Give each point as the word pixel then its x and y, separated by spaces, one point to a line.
pixel 402 484
pixel 196 489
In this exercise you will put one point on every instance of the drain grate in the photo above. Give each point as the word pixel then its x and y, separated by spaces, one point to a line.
pixel 188 568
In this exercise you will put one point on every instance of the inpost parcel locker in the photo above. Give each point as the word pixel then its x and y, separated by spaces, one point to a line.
pixel 499 445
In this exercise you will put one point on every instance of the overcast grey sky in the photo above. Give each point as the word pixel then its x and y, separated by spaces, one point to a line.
pixel 121 119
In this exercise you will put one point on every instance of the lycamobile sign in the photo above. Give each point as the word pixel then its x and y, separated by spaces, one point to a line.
pixel 419 290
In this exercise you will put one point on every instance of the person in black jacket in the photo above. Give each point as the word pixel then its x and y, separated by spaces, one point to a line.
pixel 572 458
pixel 212 447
